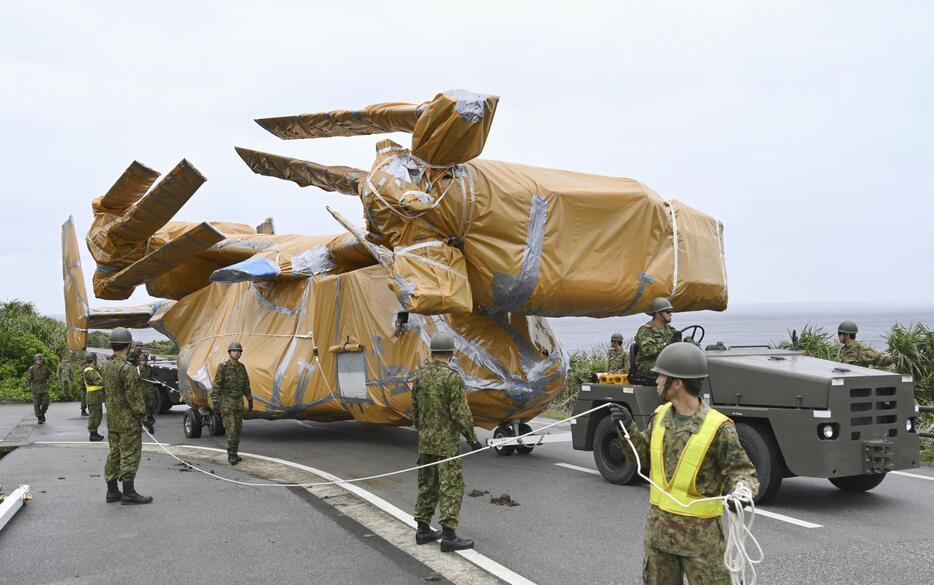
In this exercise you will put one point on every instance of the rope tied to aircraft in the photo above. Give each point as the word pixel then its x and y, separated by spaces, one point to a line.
pixel 737 559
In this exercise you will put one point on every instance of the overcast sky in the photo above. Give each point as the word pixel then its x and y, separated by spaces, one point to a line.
pixel 806 127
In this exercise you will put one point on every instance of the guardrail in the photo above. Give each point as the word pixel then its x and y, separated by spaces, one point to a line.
pixel 926 409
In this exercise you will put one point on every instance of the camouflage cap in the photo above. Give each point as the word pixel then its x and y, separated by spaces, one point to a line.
pixel 660 304
pixel 848 327
pixel 681 360
pixel 617 337
pixel 442 343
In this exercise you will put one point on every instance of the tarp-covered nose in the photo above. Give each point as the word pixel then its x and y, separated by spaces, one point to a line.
pixel 453 127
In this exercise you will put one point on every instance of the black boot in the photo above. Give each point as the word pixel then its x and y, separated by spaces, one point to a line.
pixel 234 459
pixel 425 534
pixel 131 497
pixel 41 419
pixel 451 542
pixel 84 412
pixel 95 437
pixel 113 492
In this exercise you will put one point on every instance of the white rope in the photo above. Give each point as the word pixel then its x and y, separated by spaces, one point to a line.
pixel 736 558
pixel 370 477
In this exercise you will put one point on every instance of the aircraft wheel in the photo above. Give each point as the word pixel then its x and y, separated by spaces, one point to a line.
pixel 858 483
pixel 192 424
pixel 217 424
pixel 765 457
pixel 613 457
pixel 503 433
pixel 521 449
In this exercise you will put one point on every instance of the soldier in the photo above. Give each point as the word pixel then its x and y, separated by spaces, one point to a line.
pixel 652 337
pixel 37 376
pixel 857 354
pixel 440 413
pixel 126 412
pixel 94 392
pixel 231 386
pixel 618 358
pixel 136 349
pixel 64 377
pixel 144 371
pixel 686 540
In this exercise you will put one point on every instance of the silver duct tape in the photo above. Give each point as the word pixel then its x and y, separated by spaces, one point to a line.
pixel 511 293
pixel 644 279
pixel 406 290
pixel 312 262
pixel 282 368
pixel 251 269
pixel 272 306
pixel 255 246
pixel 470 106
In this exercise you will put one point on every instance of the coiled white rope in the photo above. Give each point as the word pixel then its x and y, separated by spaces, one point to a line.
pixel 736 558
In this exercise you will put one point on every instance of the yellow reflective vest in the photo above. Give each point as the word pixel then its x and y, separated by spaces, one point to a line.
pixel 682 484
pixel 88 386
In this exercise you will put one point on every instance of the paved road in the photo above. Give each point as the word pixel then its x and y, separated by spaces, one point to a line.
pixel 573 527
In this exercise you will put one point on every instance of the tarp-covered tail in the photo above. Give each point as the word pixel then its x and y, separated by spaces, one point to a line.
pixel 480 236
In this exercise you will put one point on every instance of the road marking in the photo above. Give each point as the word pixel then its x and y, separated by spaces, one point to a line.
pixel 915 475
pixel 578 468
pixel 759 511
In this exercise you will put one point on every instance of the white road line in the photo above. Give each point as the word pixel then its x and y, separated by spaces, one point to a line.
pixel 915 475
pixel 578 468
pixel 759 511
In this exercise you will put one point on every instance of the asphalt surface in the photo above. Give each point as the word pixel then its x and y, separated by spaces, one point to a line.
pixel 573 527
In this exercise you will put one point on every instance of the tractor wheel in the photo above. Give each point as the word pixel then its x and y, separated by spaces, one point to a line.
pixel 765 457
pixel 613 458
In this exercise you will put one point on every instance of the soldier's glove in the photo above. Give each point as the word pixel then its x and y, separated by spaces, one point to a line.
pixel 619 414
pixel 149 426
pixel 476 446
pixel 741 494
pixel 249 405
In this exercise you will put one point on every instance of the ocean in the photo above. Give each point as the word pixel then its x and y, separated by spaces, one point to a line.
pixel 741 324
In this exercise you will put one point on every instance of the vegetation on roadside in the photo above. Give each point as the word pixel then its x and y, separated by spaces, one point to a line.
pixel 24 333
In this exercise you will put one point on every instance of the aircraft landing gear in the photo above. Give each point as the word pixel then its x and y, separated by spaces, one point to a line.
pixel 512 430
pixel 195 421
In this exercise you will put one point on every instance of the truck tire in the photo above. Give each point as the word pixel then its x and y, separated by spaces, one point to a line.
pixel 764 454
pixel 521 449
pixel 192 423
pixel 503 432
pixel 613 459
pixel 165 404
pixel 858 483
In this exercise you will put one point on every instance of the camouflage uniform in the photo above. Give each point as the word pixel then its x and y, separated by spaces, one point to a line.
pixel 440 413
pixel 618 360
pixel 651 340
pixel 38 379
pixel 149 391
pixel 132 356
pixel 64 379
pixel 683 545
pixel 126 411
pixel 231 386
pixel 95 398
pixel 858 354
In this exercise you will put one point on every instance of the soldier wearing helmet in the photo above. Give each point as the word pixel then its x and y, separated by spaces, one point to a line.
pixel 857 354
pixel 126 415
pixel 231 386
pixel 686 541
pixel 654 336
pixel 441 414
pixel 37 378
pixel 617 358
pixel 148 386
pixel 93 395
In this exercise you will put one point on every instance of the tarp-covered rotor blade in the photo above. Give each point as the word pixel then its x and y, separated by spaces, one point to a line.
pixel 375 119
pixel 76 296
pixel 132 184
pixel 304 173
pixel 160 205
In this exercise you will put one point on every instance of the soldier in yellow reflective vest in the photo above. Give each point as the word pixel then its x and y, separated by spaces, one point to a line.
pixel 694 453
pixel 94 390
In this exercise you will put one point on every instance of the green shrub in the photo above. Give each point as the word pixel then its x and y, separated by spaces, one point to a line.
pixel 816 341
pixel 24 333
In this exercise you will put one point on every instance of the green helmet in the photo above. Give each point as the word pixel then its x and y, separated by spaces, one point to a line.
pixel 617 337
pixel 120 336
pixel 90 356
pixel 848 327
pixel 660 304
pixel 442 343
pixel 234 346
pixel 681 360
pixel 38 356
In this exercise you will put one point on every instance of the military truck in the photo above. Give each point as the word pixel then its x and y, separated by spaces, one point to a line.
pixel 795 415
pixel 164 372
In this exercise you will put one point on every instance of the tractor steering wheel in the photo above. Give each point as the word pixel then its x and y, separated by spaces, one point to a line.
pixel 693 338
